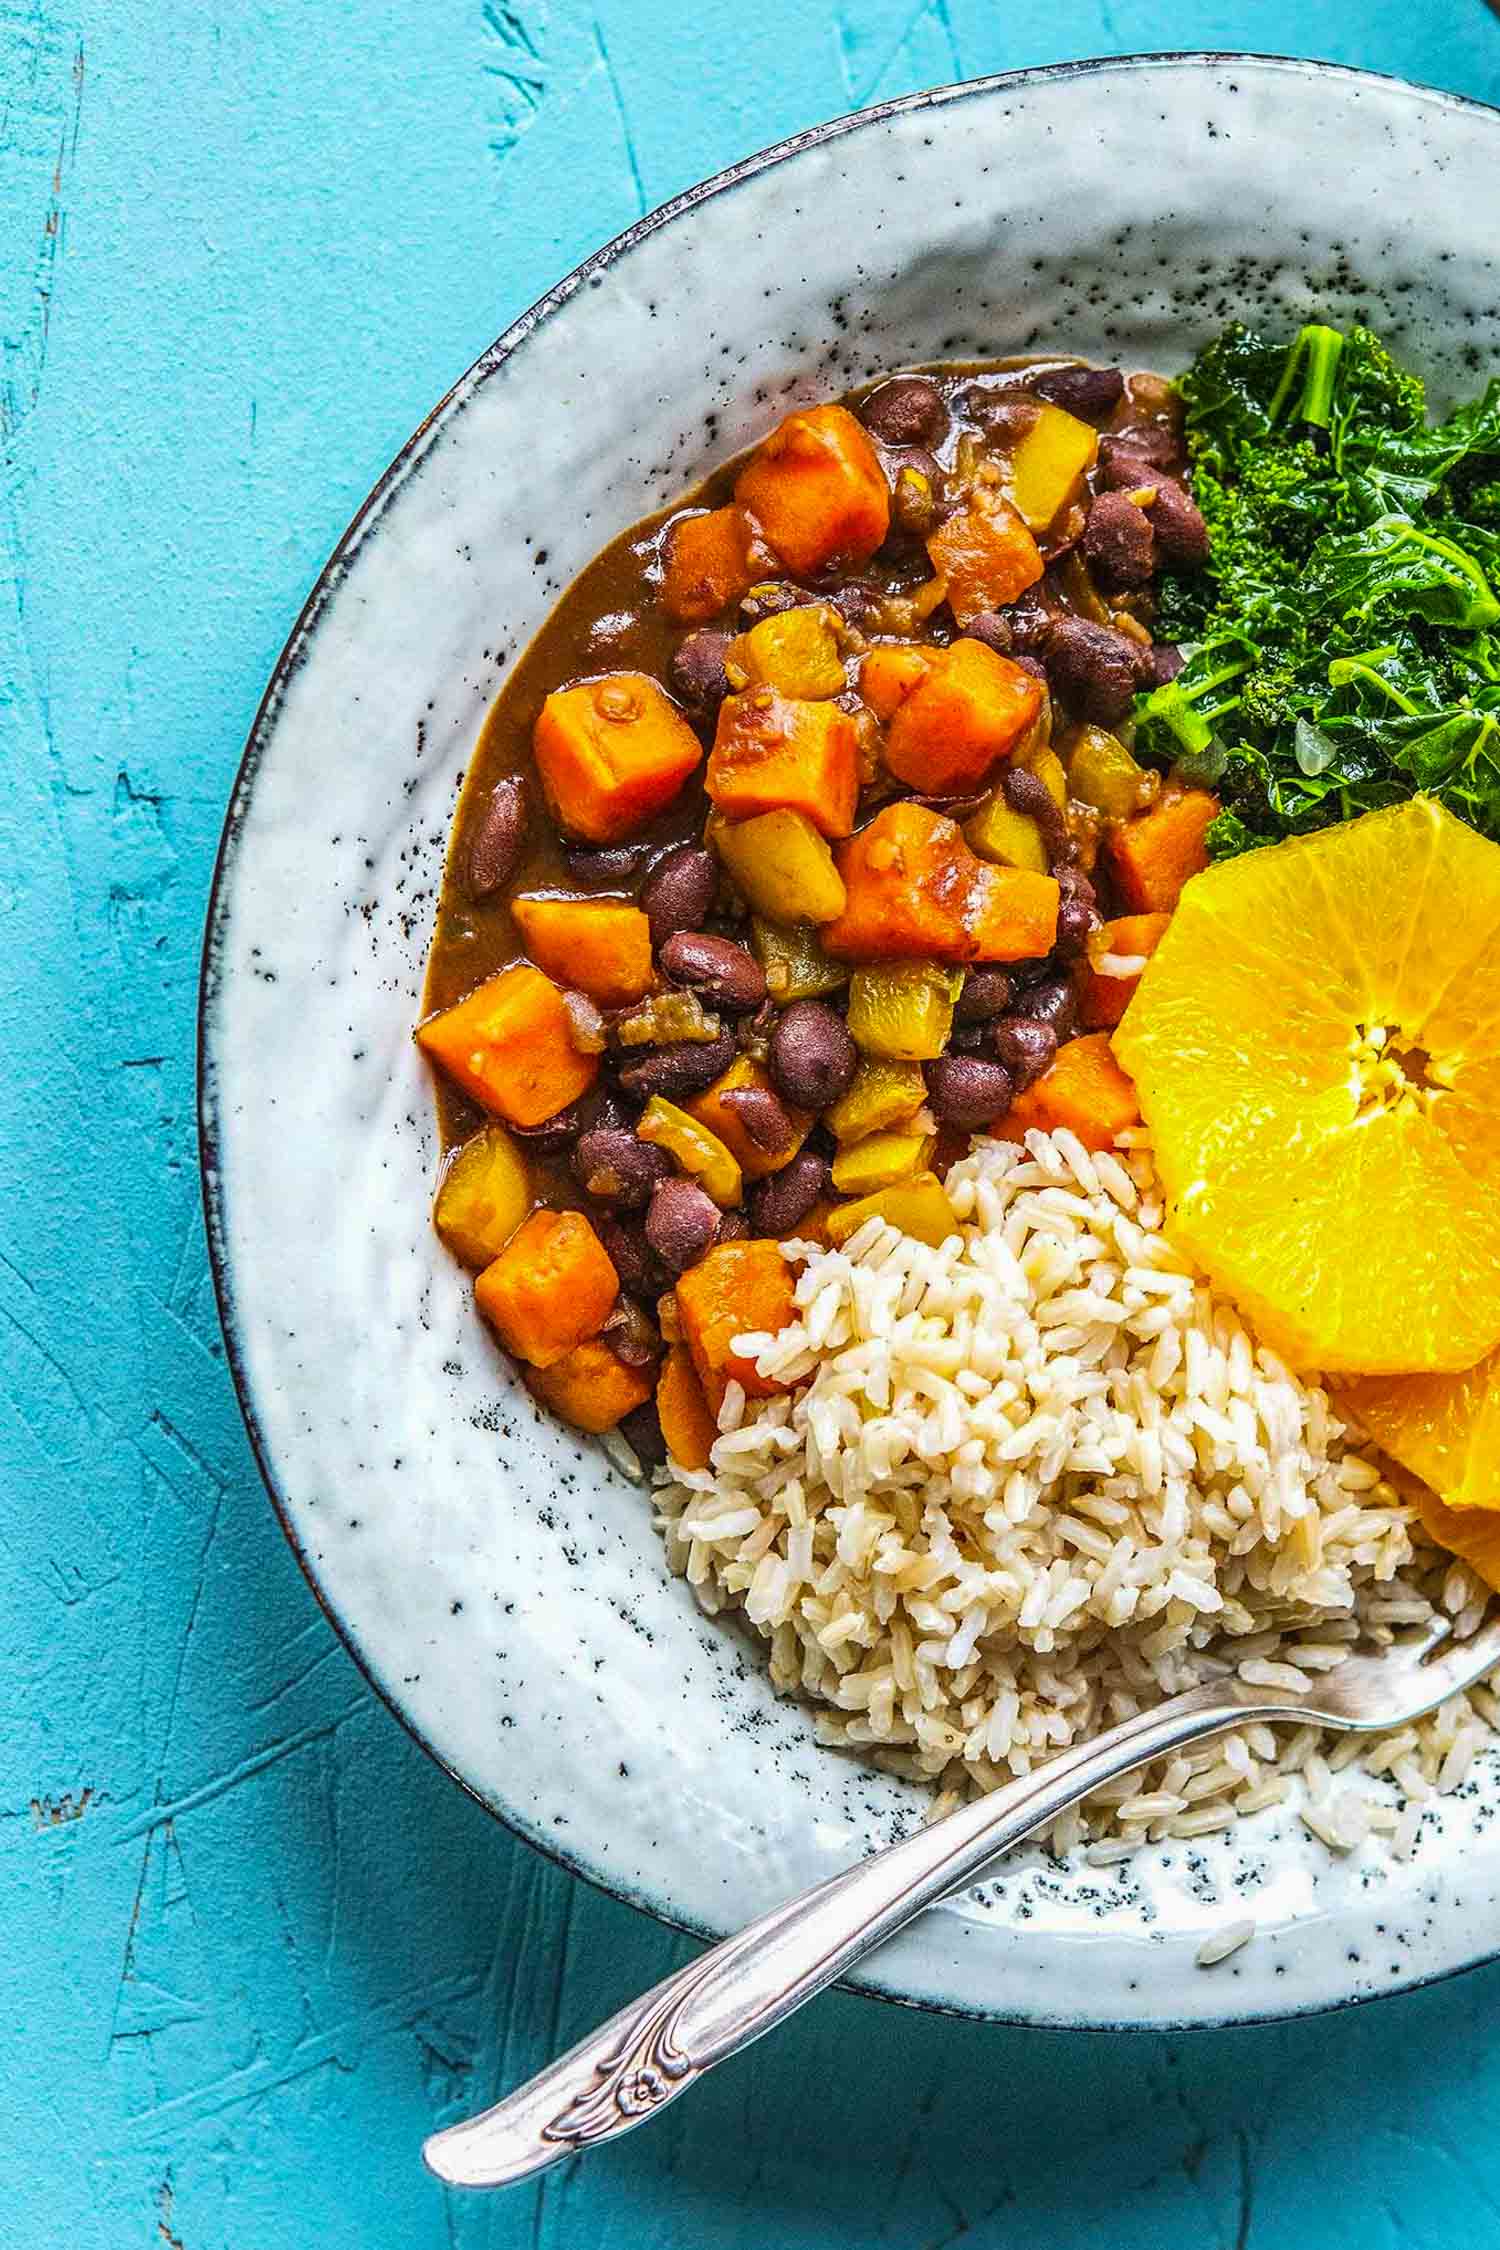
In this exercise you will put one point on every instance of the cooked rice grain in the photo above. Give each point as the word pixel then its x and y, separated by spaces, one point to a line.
pixel 1033 1481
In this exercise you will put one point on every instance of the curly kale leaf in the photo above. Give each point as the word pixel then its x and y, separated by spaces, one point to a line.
pixel 1396 567
pixel 1346 633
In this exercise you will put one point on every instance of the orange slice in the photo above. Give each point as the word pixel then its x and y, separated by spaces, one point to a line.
pixel 1444 1428
pixel 1316 1048
pixel 1472 1533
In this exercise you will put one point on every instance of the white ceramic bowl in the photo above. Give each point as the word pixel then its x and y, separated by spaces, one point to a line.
pixel 500 1585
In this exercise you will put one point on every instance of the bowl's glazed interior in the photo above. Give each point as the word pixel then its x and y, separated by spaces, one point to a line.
pixel 502 1586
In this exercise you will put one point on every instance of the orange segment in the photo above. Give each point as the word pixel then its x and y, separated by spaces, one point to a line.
pixel 1473 1533
pixel 1444 1428
pixel 1316 1045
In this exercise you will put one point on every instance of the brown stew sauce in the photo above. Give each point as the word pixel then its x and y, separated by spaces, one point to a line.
pixel 609 620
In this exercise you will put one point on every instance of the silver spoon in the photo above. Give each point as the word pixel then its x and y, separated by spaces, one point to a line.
pixel 653 2050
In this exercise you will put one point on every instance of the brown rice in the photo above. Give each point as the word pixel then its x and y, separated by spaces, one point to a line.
pixel 1035 1480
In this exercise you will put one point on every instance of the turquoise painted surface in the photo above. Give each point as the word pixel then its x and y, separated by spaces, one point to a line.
pixel 251 1943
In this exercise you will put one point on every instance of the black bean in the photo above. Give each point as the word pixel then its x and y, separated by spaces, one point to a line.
pixel 1074 884
pixel 696 672
pixel 1118 542
pixel 1150 447
pixel 1004 416
pixel 496 843
pixel 986 994
pixel 916 481
pixel 991 626
pixel 558 1132
pixel 681 1223
pixel 641 1272
pixel 907 410
pixel 1017 631
pixel 967 1092
pixel 1076 918
pixel 1054 1002
pixel 811 1056
pixel 1177 520
pixel 763 1116
pixel 614 1167
pixel 641 1430
pixel 1092 667
pixel 725 974
pixel 1026 793
pixel 1026 1047
pixel 679 892
pixel 685 1067
pixel 632 1334
pixel 1164 660
pixel 605 866
pixel 855 600
pixel 1092 393
pixel 781 1202
pixel 771 597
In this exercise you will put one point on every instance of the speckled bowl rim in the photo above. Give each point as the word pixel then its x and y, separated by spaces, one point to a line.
pixel 365 520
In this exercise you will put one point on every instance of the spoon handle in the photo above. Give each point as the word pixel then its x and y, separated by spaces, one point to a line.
pixel 655 2048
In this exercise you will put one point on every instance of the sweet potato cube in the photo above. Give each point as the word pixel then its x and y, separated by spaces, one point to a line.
pixel 1154 855
pixel 552 1287
pixel 909 877
pixel 890 672
pixel 509 1045
pixel 1085 1091
pixel 611 753
pixel 591 1387
pixel 725 1121
pixel 971 707
pixel 601 946
pixel 687 1426
pixel 1103 993
pixel 711 560
pixel 985 555
pixel 817 491
pixel 771 751
pixel 739 1289
pixel 1014 914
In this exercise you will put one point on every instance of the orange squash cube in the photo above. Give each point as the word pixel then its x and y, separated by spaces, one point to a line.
pixel 745 1075
pixel 591 1387
pixel 817 491
pixel 890 672
pixel 509 1045
pixel 601 946
pixel 1102 1000
pixel 739 1289
pixel 611 752
pixel 552 1287
pixel 909 877
pixel 1085 1091
pixel 687 1426
pixel 971 707
pixel 1154 855
pixel 710 561
pixel 915 891
pixel 984 554
pixel 771 751
pixel 1014 914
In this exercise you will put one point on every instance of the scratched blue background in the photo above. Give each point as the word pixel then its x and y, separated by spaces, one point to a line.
pixel 251 1943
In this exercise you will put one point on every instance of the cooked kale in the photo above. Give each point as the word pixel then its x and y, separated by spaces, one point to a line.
pixel 1344 642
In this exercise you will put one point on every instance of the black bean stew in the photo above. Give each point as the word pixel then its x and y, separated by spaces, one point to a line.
pixel 805 841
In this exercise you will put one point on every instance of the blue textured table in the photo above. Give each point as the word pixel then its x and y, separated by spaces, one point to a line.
pixel 251 1943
